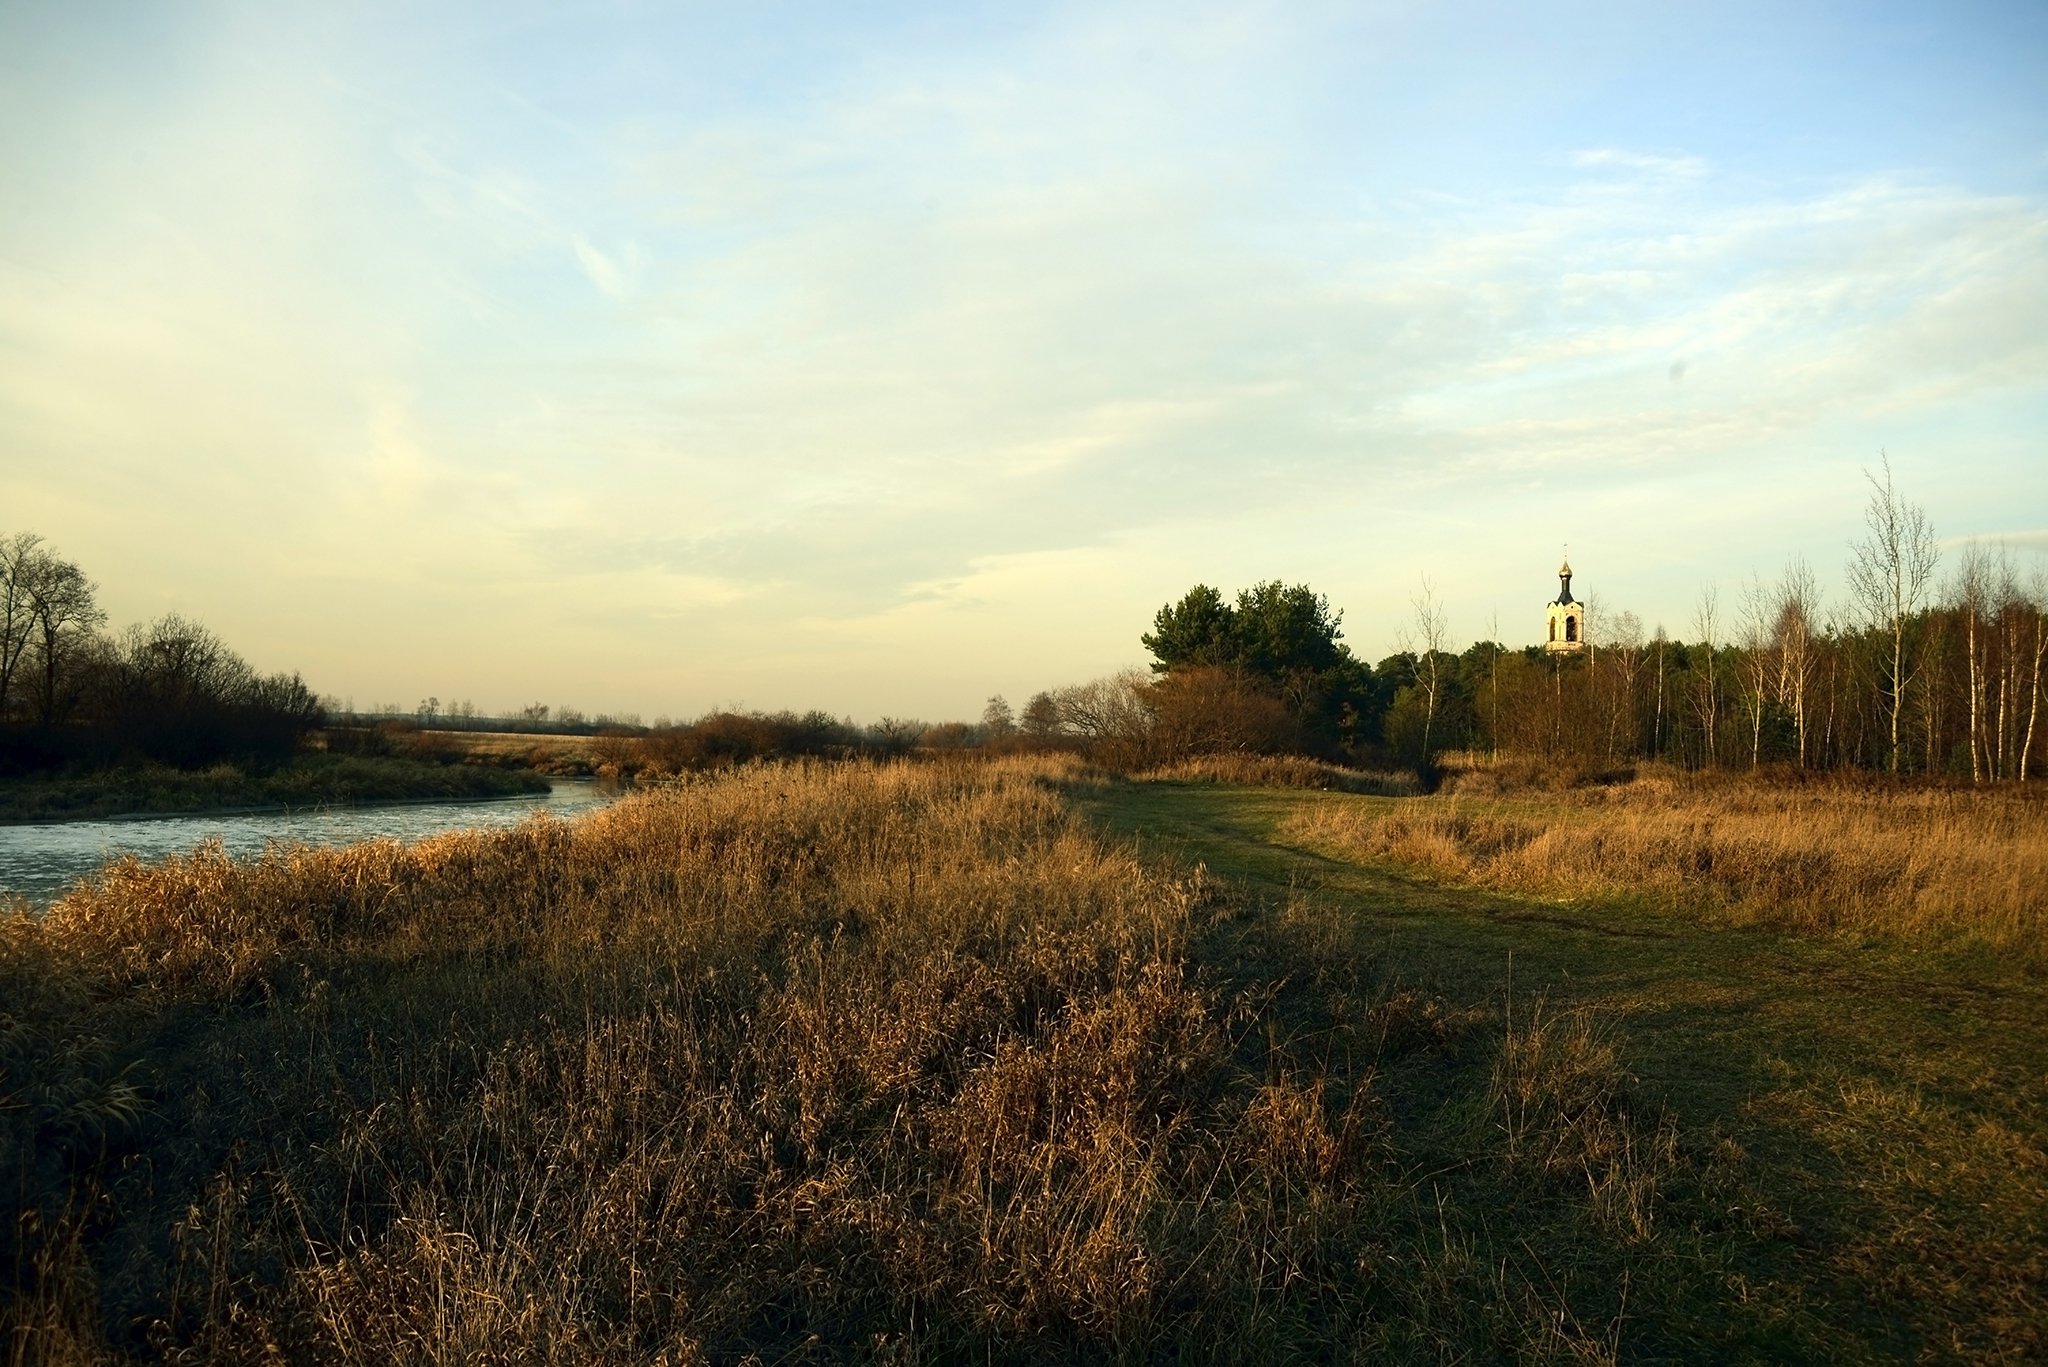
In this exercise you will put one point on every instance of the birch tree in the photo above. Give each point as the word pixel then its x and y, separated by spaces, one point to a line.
pixel 1707 686
pixel 1793 644
pixel 1432 627
pixel 1889 569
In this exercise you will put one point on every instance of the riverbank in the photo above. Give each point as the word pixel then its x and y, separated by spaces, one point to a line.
pixel 1002 1061
pixel 317 780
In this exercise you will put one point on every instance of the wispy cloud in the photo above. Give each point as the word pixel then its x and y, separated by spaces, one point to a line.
pixel 1654 163
pixel 884 342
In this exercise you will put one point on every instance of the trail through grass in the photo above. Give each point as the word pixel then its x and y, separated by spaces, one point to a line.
pixel 1885 1104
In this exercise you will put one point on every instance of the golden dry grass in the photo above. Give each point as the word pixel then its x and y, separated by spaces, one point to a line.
pixel 550 754
pixel 801 1061
pixel 1932 864
pixel 1282 771
pixel 813 1063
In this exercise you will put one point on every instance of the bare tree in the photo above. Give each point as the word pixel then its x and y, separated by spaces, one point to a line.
pixel 1889 568
pixel 1624 662
pixel 896 735
pixel 1933 665
pixel 1493 674
pixel 2019 646
pixel 21 561
pixel 1758 665
pixel 65 615
pixel 175 660
pixel 1662 641
pixel 1433 629
pixel 2002 639
pixel 1793 646
pixel 997 720
pixel 1972 590
pixel 1707 686
pixel 1106 710
pixel 2037 607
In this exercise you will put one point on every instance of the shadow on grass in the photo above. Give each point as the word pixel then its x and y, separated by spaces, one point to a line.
pixel 1859 1127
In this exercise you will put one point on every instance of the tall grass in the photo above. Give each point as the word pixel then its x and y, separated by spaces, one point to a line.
pixel 1923 864
pixel 1283 771
pixel 803 1062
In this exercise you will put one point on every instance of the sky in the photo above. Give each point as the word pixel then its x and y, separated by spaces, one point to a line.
pixel 655 358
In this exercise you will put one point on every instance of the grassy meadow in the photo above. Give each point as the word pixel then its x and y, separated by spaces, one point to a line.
pixel 1842 856
pixel 1012 1060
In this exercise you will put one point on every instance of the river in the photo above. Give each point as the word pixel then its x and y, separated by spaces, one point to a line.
pixel 39 862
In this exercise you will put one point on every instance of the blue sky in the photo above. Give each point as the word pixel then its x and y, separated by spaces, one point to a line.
pixel 880 358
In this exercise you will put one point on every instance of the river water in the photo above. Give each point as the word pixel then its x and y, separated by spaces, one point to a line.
pixel 39 862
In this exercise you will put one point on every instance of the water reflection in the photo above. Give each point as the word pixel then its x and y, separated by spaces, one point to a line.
pixel 39 862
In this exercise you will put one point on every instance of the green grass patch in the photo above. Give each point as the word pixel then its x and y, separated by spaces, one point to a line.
pixel 1855 1165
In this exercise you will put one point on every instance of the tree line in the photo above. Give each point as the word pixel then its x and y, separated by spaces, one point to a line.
pixel 168 691
pixel 1906 673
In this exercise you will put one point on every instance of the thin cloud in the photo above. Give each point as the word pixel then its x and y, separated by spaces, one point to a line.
pixel 1652 163
pixel 604 273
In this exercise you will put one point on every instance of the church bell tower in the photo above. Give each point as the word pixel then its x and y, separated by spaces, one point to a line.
pixel 1567 616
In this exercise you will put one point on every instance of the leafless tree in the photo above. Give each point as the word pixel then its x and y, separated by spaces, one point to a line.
pixel 997 721
pixel 1662 641
pixel 1793 644
pixel 1433 631
pixel 1889 569
pixel 1973 590
pixel 65 616
pixel 1759 667
pixel 21 561
pixel 2001 626
pixel 897 735
pixel 2022 623
pixel 2037 608
pixel 1110 709
pixel 1493 674
pixel 174 660
pixel 1707 685
pixel 1623 662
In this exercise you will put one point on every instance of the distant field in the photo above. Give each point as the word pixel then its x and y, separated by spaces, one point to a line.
pixel 547 754
pixel 1003 1061
pixel 1927 865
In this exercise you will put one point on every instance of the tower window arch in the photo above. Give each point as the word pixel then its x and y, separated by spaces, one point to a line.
pixel 1571 628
